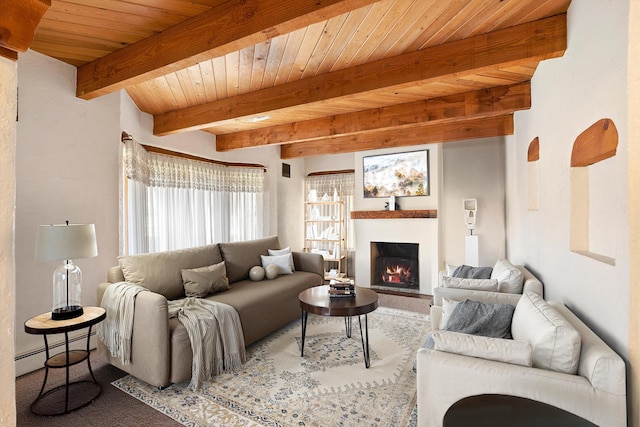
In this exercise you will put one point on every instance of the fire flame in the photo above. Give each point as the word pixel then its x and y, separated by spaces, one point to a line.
pixel 396 274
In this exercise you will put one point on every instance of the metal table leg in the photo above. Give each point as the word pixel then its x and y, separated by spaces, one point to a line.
pixel 365 347
pixel 305 314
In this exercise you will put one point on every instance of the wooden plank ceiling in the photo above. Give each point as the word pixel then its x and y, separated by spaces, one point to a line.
pixel 314 76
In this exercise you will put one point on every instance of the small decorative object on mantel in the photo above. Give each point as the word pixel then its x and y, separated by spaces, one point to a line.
pixel 342 288
pixel 391 205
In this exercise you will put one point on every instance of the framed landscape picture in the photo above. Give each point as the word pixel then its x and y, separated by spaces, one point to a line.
pixel 397 174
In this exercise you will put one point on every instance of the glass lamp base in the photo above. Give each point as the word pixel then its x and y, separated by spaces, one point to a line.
pixel 63 313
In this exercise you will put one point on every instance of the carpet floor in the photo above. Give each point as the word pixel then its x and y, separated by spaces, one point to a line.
pixel 329 386
pixel 114 408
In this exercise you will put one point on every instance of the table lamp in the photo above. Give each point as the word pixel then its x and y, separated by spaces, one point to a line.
pixel 64 242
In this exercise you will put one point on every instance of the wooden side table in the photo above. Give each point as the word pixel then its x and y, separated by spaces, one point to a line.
pixel 44 325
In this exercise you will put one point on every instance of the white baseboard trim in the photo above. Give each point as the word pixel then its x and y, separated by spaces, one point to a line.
pixel 33 360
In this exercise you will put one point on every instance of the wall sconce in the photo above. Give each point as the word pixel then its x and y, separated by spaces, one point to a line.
pixel 64 242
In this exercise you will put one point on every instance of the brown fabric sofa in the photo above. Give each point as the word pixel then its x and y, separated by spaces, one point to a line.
pixel 161 351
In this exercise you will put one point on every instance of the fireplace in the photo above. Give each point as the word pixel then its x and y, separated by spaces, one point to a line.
pixel 395 265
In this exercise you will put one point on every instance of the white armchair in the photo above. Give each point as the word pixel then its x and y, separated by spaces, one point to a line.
pixel 474 365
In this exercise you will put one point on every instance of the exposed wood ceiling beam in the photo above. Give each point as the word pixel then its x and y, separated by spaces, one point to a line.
pixel 225 28
pixel 18 22
pixel 482 103
pixel 534 41
pixel 426 134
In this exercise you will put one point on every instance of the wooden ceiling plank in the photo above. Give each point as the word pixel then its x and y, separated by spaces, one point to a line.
pixel 232 65
pixel 155 11
pixel 311 37
pixel 538 40
pixel 411 28
pixel 474 23
pixel 177 94
pixel 484 103
pixel 322 47
pixel 292 47
pixel 342 39
pixel 104 18
pixel 382 30
pixel 363 37
pixel 230 26
pixel 220 75
pixel 18 22
pixel 426 134
pixel 260 55
pixel 274 60
pixel 245 69
pixel 208 81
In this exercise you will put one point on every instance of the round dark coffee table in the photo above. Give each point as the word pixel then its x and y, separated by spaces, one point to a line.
pixel 316 300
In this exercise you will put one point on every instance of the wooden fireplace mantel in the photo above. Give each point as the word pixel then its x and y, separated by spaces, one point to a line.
pixel 384 214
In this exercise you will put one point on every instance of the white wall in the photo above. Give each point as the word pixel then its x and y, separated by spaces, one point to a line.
pixel 66 169
pixel 8 110
pixel 473 169
pixel 570 94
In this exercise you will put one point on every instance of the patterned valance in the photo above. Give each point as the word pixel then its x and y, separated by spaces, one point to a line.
pixel 159 170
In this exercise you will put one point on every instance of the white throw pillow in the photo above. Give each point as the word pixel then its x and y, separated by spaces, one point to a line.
pixel 555 342
pixel 285 251
pixel 280 261
pixel 450 269
pixel 447 307
pixel 475 284
pixel 509 277
pixel 498 349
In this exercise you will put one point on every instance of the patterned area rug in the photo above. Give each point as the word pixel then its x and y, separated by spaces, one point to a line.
pixel 329 386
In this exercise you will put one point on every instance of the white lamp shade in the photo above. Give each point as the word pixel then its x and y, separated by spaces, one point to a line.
pixel 61 242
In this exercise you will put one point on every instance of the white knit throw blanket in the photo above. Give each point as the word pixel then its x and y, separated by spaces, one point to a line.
pixel 115 331
pixel 216 337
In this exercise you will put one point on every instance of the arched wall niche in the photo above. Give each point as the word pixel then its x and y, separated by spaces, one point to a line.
pixel 592 195
pixel 533 155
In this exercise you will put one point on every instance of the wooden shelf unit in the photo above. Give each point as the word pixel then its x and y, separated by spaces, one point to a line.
pixel 325 233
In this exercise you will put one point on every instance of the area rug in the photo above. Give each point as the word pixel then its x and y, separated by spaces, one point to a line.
pixel 329 386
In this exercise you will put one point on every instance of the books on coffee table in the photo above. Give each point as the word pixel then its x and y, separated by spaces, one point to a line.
pixel 342 288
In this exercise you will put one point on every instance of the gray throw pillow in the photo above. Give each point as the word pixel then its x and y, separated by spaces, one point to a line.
pixel 469 272
pixel 478 318
pixel 200 282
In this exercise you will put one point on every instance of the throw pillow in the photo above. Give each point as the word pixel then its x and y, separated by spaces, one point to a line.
pixel 202 281
pixel 489 348
pixel 509 277
pixel 281 261
pixel 447 308
pixel 475 284
pixel 285 251
pixel 479 318
pixel 473 272
pixel 556 343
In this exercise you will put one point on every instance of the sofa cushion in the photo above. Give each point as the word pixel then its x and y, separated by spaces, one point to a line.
pixel 285 251
pixel 509 277
pixel 161 272
pixel 239 257
pixel 282 262
pixel 490 348
pixel 202 281
pixel 555 342
pixel 477 284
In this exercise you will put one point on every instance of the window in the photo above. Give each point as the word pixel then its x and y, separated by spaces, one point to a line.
pixel 174 203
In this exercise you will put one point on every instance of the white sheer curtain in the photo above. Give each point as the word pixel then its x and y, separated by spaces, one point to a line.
pixel 176 203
